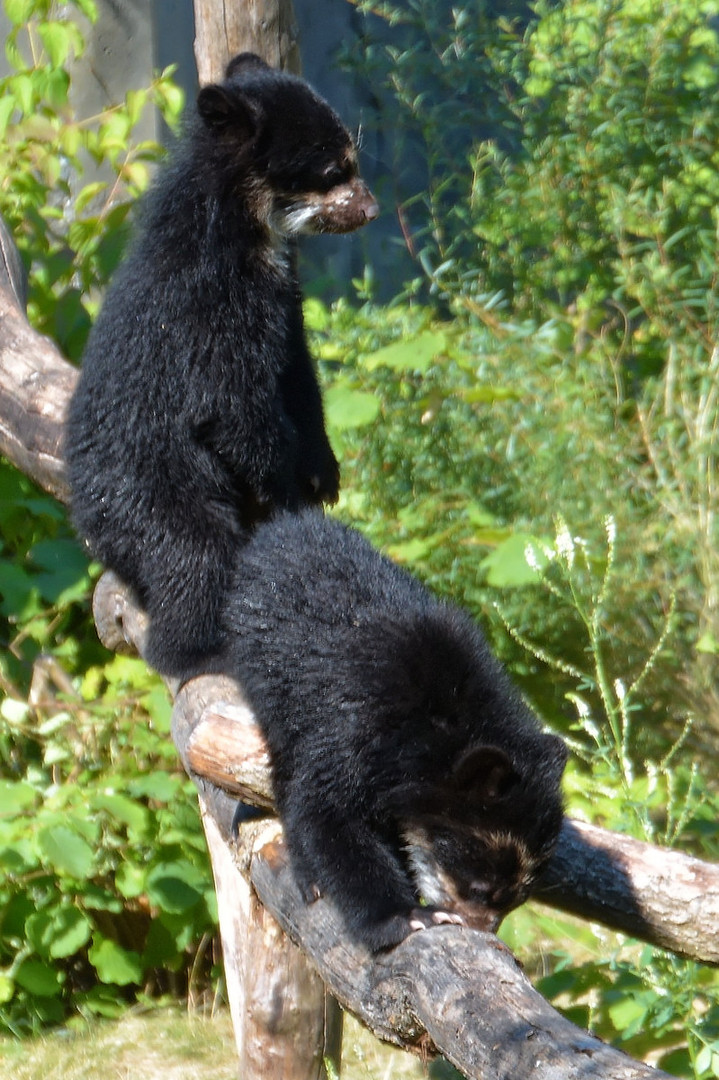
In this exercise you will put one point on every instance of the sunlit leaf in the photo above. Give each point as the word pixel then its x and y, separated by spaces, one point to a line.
pixel 113 963
pixel 66 851
pixel 347 408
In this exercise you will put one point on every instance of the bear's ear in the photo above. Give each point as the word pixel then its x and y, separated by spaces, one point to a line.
pixel 221 111
pixel 556 756
pixel 245 62
pixel 485 773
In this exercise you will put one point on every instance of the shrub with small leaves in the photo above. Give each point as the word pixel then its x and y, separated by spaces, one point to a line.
pixel 105 886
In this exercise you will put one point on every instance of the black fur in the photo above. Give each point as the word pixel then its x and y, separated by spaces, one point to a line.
pixel 391 729
pixel 197 411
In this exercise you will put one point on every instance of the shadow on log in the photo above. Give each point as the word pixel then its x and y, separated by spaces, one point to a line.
pixel 451 988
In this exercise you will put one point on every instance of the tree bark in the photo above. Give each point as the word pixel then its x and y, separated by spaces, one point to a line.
pixel 35 387
pixel 460 991
pixel 224 28
pixel 652 893
pixel 655 894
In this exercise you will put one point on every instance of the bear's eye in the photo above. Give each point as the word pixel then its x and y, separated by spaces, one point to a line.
pixel 332 174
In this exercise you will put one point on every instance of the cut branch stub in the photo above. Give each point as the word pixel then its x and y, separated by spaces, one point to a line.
pixel 121 625
pixel 35 387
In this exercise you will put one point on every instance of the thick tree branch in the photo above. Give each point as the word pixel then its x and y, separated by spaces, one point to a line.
pixel 653 893
pixel 457 990
pixel 35 387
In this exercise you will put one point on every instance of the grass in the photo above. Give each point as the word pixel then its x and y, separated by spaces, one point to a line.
pixel 167 1043
pixel 171 1044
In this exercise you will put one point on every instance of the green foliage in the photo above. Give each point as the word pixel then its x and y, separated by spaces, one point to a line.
pixel 104 879
pixel 70 234
pixel 105 887
pixel 570 154
pixel 483 443
pixel 551 458
pixel 478 453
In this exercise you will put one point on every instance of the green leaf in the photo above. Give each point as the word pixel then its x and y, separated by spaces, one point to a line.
pixel 71 931
pixel 410 551
pixel 88 193
pixel 88 8
pixel 626 1013
pixel 7 989
pixel 58 932
pixel 507 565
pixel 66 851
pixel 707 643
pixel 124 811
pixel 38 978
pixel 23 87
pixel 98 899
pixel 18 590
pixel 412 354
pixel 16 796
pixel 18 858
pixel 113 963
pixel 486 395
pixel 130 880
pixel 157 785
pixel 59 39
pixel 7 107
pixel 101 1000
pixel 347 408
pixel 174 887
pixel 64 569
pixel 315 314
pixel 38 931
pixel 19 11
pixel 161 946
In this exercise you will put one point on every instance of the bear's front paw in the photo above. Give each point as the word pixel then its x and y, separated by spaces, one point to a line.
pixel 422 918
pixel 390 932
pixel 323 485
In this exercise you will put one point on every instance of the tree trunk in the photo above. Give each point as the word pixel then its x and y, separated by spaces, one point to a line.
pixel 224 28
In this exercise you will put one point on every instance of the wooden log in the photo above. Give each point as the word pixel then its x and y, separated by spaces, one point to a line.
pixel 450 988
pixel 653 893
pixel 35 386
pixel 284 1021
pixel 224 28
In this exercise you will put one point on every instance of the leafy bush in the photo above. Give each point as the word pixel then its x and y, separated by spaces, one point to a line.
pixel 466 451
pixel 459 447
pixel 564 210
pixel 571 173
pixel 105 887
pixel 70 235
pixel 569 157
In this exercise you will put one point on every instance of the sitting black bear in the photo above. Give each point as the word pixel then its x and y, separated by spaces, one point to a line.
pixel 197 410
pixel 405 765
